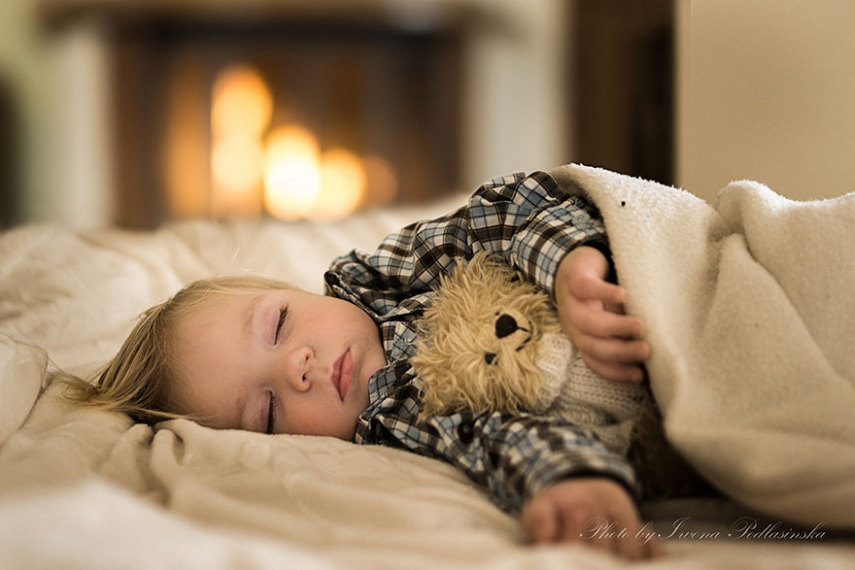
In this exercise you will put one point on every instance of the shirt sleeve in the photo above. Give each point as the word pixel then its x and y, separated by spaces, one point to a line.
pixel 532 223
pixel 528 220
pixel 511 456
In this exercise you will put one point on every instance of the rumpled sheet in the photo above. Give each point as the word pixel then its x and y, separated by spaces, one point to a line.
pixel 88 489
pixel 749 307
pixel 84 489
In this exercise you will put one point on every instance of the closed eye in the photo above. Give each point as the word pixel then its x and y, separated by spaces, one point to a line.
pixel 271 414
pixel 283 314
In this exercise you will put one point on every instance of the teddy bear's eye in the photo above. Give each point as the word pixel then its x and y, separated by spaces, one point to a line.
pixel 490 357
pixel 506 325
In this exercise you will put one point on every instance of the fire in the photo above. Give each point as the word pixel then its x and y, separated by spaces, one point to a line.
pixel 235 162
pixel 283 169
pixel 241 108
pixel 343 183
pixel 292 180
pixel 241 102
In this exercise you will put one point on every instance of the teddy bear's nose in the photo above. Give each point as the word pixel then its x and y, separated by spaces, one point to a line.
pixel 505 325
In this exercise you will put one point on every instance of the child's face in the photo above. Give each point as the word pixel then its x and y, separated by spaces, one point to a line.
pixel 278 361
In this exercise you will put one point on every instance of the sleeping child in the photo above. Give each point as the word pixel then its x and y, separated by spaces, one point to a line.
pixel 256 354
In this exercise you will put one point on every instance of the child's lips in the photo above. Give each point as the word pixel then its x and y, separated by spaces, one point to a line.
pixel 342 374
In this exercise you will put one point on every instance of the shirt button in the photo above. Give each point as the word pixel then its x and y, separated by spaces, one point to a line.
pixel 465 433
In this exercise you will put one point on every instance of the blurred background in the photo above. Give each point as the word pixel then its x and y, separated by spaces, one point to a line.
pixel 138 112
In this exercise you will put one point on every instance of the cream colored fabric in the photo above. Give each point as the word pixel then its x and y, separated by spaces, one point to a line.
pixel 579 395
pixel 84 489
pixel 750 310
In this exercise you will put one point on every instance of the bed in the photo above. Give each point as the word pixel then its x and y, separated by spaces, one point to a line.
pixel 89 489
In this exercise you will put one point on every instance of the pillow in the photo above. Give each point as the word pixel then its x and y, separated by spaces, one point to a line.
pixel 22 372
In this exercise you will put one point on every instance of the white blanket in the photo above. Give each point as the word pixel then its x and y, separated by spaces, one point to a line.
pixel 749 307
pixel 86 489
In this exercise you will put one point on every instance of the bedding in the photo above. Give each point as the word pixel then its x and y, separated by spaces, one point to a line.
pixel 750 312
pixel 83 488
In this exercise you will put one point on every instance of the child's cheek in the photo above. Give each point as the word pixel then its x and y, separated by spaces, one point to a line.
pixel 313 421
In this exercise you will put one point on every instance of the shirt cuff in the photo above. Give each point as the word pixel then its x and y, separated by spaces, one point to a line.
pixel 600 465
pixel 544 240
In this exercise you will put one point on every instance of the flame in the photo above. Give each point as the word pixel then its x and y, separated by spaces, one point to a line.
pixel 291 173
pixel 303 182
pixel 287 169
pixel 342 184
pixel 241 102
pixel 241 108
pixel 236 163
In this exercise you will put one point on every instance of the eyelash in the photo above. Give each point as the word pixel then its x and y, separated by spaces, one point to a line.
pixel 283 313
pixel 271 408
pixel 270 414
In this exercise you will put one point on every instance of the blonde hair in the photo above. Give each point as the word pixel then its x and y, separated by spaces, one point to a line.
pixel 139 380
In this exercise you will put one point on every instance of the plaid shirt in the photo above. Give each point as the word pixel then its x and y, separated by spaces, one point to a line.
pixel 532 224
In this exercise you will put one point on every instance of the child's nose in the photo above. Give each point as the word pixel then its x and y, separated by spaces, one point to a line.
pixel 298 374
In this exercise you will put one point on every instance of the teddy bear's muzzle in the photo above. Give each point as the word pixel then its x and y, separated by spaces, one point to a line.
pixel 506 325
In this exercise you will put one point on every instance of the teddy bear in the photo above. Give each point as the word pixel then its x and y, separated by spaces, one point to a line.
pixel 491 341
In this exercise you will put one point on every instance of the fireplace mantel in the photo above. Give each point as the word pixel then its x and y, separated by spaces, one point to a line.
pixel 380 81
pixel 403 14
pixel 500 42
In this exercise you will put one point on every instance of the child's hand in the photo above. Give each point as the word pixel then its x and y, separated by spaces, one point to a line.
pixel 593 511
pixel 591 313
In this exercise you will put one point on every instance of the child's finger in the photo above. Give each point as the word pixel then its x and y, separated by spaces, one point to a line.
pixel 576 525
pixel 539 521
pixel 616 372
pixel 613 349
pixel 621 350
pixel 654 548
pixel 593 288
pixel 629 547
pixel 603 324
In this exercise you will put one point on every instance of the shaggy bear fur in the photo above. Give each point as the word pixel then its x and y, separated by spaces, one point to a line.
pixel 491 341
pixel 480 346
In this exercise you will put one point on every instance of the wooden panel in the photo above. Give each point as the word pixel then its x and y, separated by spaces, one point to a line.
pixel 376 91
pixel 624 86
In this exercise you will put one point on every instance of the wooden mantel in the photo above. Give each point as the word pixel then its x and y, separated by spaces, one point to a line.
pixel 385 81
pixel 400 14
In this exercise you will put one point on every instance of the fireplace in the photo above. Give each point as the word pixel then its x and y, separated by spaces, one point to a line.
pixel 283 111
pixel 401 99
